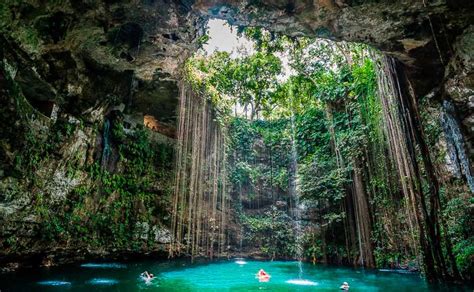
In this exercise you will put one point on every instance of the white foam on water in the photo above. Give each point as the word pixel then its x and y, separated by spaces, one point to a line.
pixel 240 262
pixel 104 266
pixel 54 283
pixel 102 281
pixel 146 280
pixel 302 282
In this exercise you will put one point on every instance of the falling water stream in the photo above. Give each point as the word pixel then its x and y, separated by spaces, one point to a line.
pixel 298 207
pixel 294 194
pixel 455 144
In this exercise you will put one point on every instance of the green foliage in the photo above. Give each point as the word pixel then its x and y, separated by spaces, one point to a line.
pixel 311 133
pixel 464 251
pixel 323 182
pixel 272 232
pixel 104 208
pixel 29 39
pixel 108 215
pixel 328 108
pixel 259 155
pixel 203 40
pixel 458 213
pixel 5 15
pixel 265 41
pixel 38 147
pixel 249 80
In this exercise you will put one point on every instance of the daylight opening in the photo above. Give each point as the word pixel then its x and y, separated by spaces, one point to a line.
pixel 289 147
pixel 273 137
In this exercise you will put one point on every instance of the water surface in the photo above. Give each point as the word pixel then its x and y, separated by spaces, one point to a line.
pixel 228 275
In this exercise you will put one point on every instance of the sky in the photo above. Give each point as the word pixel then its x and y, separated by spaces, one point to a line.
pixel 223 37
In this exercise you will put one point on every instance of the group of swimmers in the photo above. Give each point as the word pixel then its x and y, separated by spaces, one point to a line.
pixel 262 276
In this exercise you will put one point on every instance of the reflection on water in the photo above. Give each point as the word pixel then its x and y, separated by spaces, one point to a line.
pixel 103 281
pixel 104 266
pixel 231 275
pixel 397 271
pixel 54 283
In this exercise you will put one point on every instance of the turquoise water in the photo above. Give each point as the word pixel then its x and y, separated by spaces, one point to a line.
pixel 231 275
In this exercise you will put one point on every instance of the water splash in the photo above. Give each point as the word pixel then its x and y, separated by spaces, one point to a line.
pixel 455 144
pixel 302 282
pixel 147 281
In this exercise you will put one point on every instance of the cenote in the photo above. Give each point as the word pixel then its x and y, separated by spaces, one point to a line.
pixel 223 275
pixel 312 142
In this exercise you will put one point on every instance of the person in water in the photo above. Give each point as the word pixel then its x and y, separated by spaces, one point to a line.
pixel 345 286
pixel 262 273
pixel 147 276
pixel 263 276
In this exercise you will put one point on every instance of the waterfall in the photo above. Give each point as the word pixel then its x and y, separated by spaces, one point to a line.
pixel 455 144
pixel 295 194
pixel 200 201
pixel 298 208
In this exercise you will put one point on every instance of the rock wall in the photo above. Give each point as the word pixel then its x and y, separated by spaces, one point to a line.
pixel 459 84
pixel 76 186
pixel 77 78
pixel 80 174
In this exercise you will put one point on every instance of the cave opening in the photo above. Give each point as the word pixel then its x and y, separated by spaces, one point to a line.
pixel 318 133
pixel 297 147
pixel 285 106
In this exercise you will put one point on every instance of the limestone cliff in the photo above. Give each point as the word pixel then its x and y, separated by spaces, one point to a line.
pixel 77 79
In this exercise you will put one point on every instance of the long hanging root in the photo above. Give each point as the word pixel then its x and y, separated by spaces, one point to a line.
pixel 200 180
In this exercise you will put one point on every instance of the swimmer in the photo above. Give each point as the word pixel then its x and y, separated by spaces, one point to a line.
pixel 345 286
pixel 262 273
pixel 147 276
pixel 262 276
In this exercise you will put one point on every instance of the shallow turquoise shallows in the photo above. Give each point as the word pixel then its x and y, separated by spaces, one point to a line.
pixel 231 275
